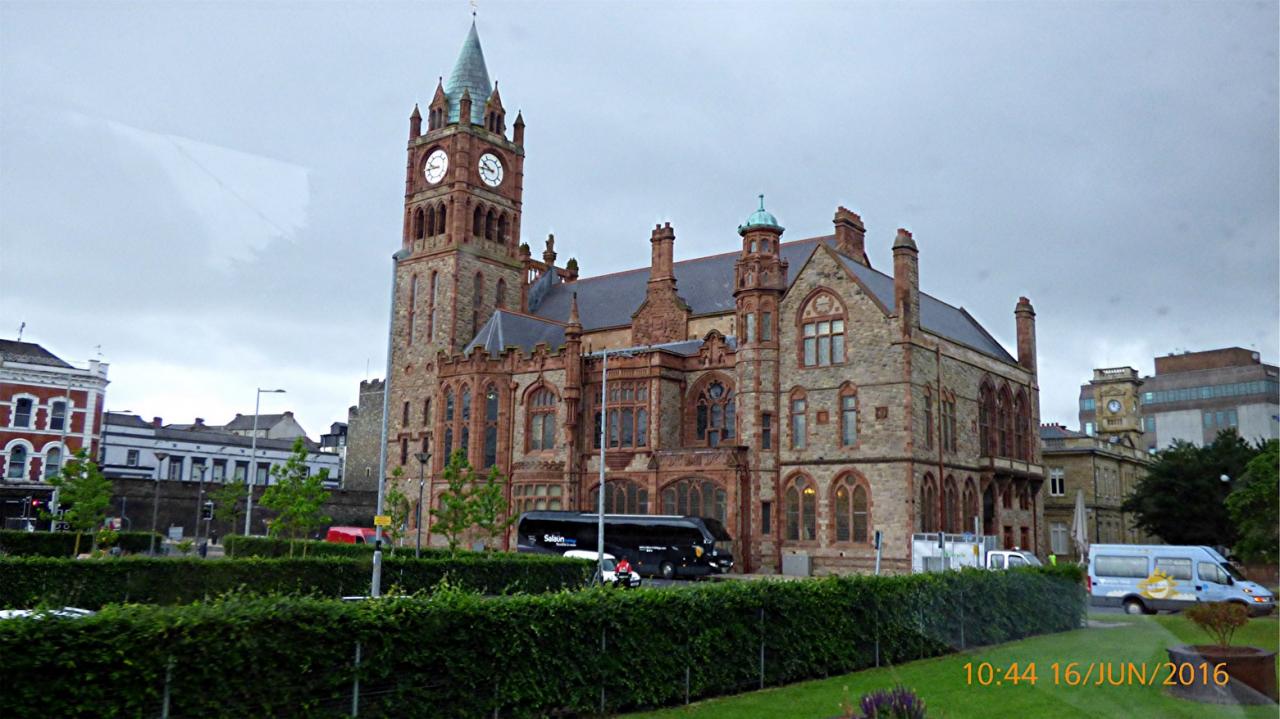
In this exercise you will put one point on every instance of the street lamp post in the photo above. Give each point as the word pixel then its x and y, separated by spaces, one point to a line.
pixel 375 583
pixel 604 443
pixel 199 503
pixel 253 457
pixel 155 504
pixel 423 459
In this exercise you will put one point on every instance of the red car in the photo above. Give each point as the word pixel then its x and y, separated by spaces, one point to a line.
pixel 351 535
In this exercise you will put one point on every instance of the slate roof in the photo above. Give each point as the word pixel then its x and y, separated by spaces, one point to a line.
pixel 1056 431
pixel 508 329
pixel 245 422
pixel 29 353
pixel 706 284
pixel 126 420
pixel 469 74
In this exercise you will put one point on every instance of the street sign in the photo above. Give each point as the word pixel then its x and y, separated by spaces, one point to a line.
pixel 382 520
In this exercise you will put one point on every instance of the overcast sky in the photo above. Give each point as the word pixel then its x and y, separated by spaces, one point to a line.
pixel 211 192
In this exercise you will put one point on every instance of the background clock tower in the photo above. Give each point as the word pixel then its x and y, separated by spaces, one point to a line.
pixel 463 192
pixel 1115 393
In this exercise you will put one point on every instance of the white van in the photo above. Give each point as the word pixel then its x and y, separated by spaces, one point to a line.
pixel 1145 578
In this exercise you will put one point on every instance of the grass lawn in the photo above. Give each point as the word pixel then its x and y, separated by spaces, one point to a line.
pixel 941 682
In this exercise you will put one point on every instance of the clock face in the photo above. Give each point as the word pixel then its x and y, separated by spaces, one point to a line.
pixel 437 165
pixel 1114 406
pixel 490 169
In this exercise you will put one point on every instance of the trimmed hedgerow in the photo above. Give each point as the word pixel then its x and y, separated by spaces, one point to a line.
pixel 238 545
pixel 62 544
pixel 462 655
pixel 90 584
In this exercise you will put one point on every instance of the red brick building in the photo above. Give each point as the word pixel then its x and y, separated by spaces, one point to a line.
pixel 49 410
pixel 790 389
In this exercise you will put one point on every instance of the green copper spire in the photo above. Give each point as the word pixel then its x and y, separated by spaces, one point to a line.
pixel 760 218
pixel 469 74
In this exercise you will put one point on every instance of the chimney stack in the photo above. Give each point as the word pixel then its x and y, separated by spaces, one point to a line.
pixel 906 282
pixel 663 242
pixel 851 235
pixel 1025 316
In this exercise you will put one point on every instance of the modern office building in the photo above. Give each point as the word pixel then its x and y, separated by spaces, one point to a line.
pixel 1192 396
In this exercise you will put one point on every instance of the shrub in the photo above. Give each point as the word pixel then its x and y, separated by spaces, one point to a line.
pixel 62 544
pixel 38 581
pixel 462 655
pixel 897 703
pixel 1219 620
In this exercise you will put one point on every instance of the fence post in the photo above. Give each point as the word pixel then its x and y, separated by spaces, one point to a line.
pixel 962 644
pixel 762 647
pixel 355 685
pixel 686 682
pixel 603 656
pixel 168 677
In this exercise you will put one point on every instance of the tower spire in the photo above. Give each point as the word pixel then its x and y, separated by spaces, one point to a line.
pixel 469 74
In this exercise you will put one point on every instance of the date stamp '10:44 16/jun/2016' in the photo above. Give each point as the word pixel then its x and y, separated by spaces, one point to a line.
pixel 1081 674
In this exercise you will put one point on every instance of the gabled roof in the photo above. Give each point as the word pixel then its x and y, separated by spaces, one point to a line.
pixel 245 422
pixel 29 353
pixel 469 75
pixel 508 329
pixel 936 316
pixel 706 284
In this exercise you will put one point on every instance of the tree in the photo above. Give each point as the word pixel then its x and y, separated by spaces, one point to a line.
pixel 228 502
pixel 396 505
pixel 86 493
pixel 453 517
pixel 1182 498
pixel 297 497
pixel 1254 506
pixel 489 506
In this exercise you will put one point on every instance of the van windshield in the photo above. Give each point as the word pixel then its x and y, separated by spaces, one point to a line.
pixel 1235 573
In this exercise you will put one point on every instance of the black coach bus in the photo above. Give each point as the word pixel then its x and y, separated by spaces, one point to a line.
pixel 666 546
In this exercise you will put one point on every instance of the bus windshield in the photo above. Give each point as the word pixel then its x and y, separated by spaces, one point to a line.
pixel 717 529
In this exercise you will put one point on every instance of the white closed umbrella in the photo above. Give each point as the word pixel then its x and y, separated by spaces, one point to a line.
pixel 1080 526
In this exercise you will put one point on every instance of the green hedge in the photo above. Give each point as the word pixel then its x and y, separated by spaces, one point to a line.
pixel 90 584
pixel 459 655
pixel 62 544
pixel 238 545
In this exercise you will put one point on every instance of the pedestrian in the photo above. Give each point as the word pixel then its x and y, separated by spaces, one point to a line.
pixel 624 568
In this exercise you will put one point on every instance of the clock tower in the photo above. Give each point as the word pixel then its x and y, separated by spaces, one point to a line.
pixel 463 192
pixel 1115 399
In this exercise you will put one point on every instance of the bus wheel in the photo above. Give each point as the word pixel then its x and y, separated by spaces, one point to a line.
pixel 667 570
pixel 1134 606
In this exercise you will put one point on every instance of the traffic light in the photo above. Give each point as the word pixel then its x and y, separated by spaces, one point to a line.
pixel 206 511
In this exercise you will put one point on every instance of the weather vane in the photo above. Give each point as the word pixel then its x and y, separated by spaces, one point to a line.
pixel 473 8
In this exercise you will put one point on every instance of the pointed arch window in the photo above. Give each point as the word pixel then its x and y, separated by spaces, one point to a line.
pixel 696 498
pixel 464 424
pixel 621 496
pixel 419 225
pixel 449 414
pixel 715 414
pixel 1021 426
pixel 490 426
pixel 851 503
pixel 502 228
pixel 440 220
pixel 500 294
pixel 950 506
pixel 970 505
pixel 477 222
pixel 477 298
pixel 928 504
pixel 986 419
pixel 948 421
pixel 801 510
pixel 542 420
pixel 491 225
pixel 1004 422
